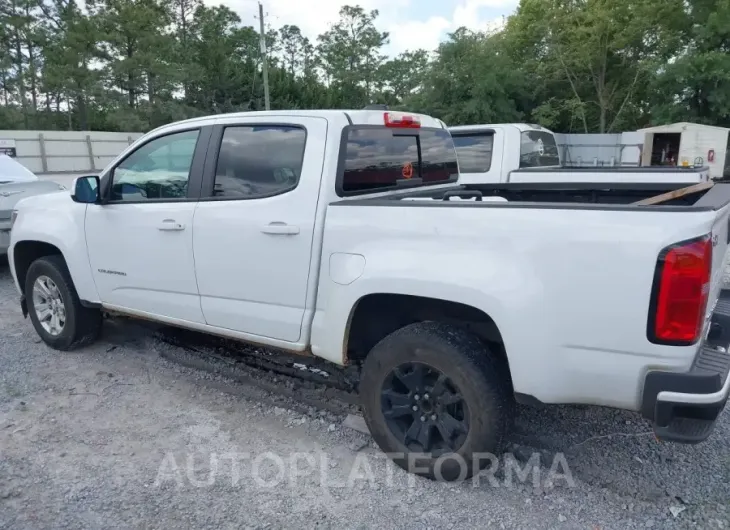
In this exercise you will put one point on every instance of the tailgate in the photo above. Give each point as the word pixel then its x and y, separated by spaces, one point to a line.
pixel 720 236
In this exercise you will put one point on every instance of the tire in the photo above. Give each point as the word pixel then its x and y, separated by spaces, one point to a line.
pixel 81 326
pixel 470 371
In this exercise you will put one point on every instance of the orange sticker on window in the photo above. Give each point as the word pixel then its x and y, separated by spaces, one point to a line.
pixel 407 170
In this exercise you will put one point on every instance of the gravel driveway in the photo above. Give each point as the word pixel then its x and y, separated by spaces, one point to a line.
pixel 116 436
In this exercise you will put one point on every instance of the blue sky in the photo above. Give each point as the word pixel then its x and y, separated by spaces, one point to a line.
pixel 412 23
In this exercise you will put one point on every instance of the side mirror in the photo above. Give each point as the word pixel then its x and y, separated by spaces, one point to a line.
pixel 86 190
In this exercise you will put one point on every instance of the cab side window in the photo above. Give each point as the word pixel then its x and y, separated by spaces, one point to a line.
pixel 538 149
pixel 160 169
pixel 259 161
pixel 474 151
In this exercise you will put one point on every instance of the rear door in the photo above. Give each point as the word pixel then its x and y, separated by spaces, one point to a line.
pixel 254 224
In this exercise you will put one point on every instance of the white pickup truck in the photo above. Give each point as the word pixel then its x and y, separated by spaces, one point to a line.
pixel 347 236
pixel 519 152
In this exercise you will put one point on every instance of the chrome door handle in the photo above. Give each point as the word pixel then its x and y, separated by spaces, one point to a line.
pixel 170 225
pixel 280 229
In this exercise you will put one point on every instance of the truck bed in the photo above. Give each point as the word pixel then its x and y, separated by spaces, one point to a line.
pixel 565 271
pixel 566 195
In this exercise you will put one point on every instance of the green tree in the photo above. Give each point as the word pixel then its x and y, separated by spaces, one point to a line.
pixel 350 55
pixel 136 44
pixel 473 80
pixel 292 48
pixel 695 85
pixel 70 51
pixel 6 57
pixel 400 78
pixel 226 60
pixel 17 24
pixel 585 65
pixel 183 16
pixel 590 57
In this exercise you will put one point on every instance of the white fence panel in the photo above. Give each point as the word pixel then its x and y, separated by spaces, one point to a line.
pixel 67 151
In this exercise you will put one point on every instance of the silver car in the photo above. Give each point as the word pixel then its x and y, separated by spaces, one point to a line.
pixel 17 182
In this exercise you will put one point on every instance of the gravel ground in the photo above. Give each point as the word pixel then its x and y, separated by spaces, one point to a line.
pixel 116 436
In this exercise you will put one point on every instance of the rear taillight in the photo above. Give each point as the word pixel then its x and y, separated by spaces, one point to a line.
pixel 680 292
pixel 401 121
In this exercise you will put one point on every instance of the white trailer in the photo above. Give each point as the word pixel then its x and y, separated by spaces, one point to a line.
pixel 687 144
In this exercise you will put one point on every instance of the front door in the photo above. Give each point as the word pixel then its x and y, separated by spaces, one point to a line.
pixel 141 240
pixel 254 233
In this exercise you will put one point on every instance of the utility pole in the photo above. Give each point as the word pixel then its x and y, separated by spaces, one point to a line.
pixel 263 55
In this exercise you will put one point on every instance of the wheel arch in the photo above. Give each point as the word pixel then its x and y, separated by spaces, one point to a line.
pixel 24 252
pixel 376 315
pixel 28 251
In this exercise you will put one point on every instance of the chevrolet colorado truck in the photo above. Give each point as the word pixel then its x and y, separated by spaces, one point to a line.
pixel 346 235
pixel 520 152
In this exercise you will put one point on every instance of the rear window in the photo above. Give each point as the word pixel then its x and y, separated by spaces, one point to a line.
pixel 474 152
pixel 377 158
pixel 538 149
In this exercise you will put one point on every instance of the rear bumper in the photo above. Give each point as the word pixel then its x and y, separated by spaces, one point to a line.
pixel 684 407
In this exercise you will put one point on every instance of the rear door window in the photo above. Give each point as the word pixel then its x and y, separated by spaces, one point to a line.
pixel 474 151
pixel 259 161
pixel 538 149
pixel 379 158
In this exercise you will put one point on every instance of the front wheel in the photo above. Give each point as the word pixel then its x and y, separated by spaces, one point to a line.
pixel 54 306
pixel 436 401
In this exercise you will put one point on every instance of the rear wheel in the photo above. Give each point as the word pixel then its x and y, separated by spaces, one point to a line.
pixel 435 401
pixel 54 306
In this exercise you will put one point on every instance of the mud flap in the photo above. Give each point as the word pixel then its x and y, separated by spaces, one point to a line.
pixel 24 306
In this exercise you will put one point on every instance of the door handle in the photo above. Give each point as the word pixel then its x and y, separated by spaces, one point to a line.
pixel 170 225
pixel 280 229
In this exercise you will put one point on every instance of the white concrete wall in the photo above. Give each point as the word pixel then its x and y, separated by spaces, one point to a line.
pixel 45 152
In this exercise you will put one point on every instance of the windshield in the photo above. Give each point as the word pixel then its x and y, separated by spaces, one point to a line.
pixel 379 158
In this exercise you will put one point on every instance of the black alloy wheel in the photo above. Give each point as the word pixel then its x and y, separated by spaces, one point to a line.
pixel 424 409
pixel 436 399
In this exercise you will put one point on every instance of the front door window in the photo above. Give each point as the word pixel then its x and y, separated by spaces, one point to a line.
pixel 157 170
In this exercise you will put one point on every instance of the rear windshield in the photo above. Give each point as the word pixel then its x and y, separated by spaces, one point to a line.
pixel 474 151
pixel 538 149
pixel 377 158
